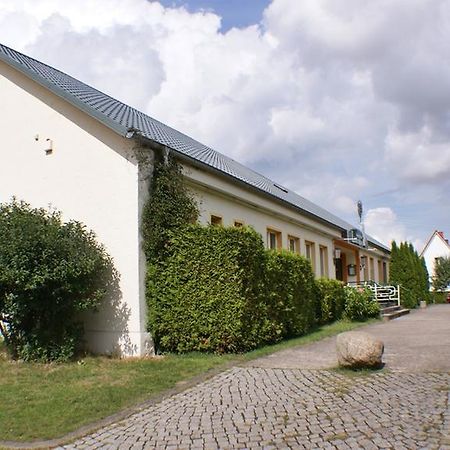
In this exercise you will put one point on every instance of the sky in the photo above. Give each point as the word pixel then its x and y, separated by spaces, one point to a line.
pixel 339 100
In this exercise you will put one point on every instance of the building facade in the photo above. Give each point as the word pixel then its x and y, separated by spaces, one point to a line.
pixel 436 247
pixel 68 146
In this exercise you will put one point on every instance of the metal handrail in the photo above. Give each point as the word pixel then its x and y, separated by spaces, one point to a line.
pixel 382 293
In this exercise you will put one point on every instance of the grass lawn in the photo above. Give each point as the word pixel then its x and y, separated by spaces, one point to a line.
pixel 40 401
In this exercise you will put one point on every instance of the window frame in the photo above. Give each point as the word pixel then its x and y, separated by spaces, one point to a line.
pixel 213 223
pixel 296 243
pixel 323 260
pixel 278 238
pixel 312 258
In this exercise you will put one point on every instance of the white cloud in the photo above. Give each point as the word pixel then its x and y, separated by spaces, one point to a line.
pixel 383 224
pixel 420 156
pixel 338 99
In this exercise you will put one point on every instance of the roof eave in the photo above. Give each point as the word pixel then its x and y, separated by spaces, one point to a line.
pixel 157 146
pixel 114 126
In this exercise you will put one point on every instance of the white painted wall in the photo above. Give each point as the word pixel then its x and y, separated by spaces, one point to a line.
pixel 224 198
pixel 221 197
pixel 91 176
pixel 437 247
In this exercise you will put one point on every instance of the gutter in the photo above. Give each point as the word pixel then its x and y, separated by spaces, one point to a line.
pixel 156 146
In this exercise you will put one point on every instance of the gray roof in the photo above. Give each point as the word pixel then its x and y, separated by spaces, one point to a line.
pixel 123 118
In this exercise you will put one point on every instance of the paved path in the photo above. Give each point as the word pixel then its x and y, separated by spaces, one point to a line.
pixel 418 342
pixel 290 401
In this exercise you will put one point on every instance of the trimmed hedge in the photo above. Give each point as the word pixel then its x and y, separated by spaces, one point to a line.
pixel 208 293
pixel 218 290
pixel 331 300
pixel 291 293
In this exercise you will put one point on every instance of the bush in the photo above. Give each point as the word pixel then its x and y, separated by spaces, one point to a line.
pixel 359 304
pixel 331 300
pixel 438 297
pixel 49 272
pixel 291 294
pixel 207 294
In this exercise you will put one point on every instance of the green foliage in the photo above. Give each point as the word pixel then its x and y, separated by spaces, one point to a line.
pixel 291 293
pixel 441 279
pixel 331 300
pixel 49 272
pixel 438 297
pixel 359 304
pixel 169 208
pixel 208 293
pixel 217 289
pixel 408 270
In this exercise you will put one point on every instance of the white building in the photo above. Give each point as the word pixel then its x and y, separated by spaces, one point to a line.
pixel 436 247
pixel 68 145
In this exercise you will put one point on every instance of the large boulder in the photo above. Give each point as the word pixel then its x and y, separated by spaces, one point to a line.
pixel 357 350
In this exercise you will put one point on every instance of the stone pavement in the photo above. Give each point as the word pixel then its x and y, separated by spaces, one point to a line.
pixel 418 342
pixel 306 406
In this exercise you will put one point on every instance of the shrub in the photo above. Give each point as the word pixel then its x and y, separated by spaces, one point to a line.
pixel 359 304
pixel 208 293
pixel 291 294
pixel 49 272
pixel 438 297
pixel 331 300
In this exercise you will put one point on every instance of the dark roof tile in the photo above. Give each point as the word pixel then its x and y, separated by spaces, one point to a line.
pixel 121 117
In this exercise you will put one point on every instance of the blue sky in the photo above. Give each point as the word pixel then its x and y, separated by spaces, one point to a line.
pixel 234 13
pixel 339 100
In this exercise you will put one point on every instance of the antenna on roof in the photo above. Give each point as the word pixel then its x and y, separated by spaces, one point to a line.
pixel 361 221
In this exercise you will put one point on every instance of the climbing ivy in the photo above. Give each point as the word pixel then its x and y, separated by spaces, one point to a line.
pixel 170 207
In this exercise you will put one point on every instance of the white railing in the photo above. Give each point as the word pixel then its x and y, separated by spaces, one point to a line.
pixel 382 293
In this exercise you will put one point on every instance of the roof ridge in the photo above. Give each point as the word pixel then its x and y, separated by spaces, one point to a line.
pixel 59 71
pixel 122 118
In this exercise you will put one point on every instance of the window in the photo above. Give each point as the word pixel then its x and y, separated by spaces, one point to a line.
pixel 238 223
pixel 385 274
pixel 380 271
pixel 294 244
pixel 372 269
pixel 309 253
pixel 216 221
pixel 273 239
pixel 323 254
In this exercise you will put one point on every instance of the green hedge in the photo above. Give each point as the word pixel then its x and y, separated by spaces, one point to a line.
pixel 291 293
pixel 218 290
pixel 208 293
pixel 359 304
pixel 331 300
pixel 438 297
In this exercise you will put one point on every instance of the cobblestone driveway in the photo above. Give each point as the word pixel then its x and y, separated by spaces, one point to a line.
pixel 254 407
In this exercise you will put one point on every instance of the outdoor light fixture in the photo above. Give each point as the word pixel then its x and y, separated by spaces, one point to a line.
pixel 48 146
pixel 337 253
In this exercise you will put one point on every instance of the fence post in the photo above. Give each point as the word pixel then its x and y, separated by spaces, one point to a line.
pixel 398 295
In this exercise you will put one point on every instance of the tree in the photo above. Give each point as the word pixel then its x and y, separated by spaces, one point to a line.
pixel 408 270
pixel 441 279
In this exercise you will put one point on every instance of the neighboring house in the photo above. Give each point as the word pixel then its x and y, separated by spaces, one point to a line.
pixel 436 247
pixel 67 145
